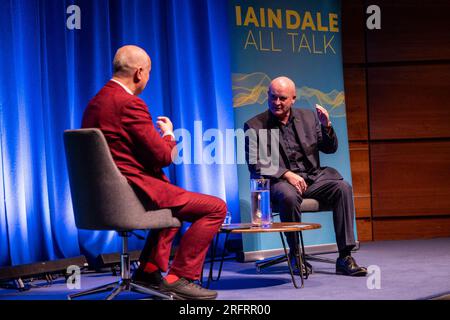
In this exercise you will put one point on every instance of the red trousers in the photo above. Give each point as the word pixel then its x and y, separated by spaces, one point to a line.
pixel 206 213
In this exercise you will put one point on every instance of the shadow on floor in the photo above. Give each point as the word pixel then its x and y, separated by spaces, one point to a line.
pixel 235 283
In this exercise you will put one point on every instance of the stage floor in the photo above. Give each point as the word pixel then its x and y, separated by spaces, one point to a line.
pixel 413 269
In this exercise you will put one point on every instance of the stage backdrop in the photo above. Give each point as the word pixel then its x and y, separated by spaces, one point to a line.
pixel 301 40
pixel 52 63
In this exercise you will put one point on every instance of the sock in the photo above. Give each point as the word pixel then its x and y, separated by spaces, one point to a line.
pixel 345 253
pixel 150 267
pixel 171 278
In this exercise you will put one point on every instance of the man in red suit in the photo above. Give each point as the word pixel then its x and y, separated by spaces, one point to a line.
pixel 140 153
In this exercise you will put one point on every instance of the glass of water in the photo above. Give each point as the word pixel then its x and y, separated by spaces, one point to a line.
pixel 260 202
pixel 227 219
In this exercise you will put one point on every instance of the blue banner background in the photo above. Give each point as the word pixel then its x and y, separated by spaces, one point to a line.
pixel 260 54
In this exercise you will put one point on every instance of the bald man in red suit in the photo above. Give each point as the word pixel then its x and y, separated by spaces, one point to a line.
pixel 140 152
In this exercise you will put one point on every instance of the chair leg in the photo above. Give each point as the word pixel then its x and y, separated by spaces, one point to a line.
pixel 269 262
pixel 122 286
pixel 106 287
pixel 137 288
pixel 279 259
pixel 319 259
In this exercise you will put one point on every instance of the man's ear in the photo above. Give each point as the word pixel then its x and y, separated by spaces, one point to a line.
pixel 138 75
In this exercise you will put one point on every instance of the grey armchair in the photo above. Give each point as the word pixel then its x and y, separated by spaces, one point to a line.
pixel 103 200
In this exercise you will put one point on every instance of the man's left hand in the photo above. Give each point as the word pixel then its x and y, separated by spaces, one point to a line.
pixel 324 117
pixel 165 125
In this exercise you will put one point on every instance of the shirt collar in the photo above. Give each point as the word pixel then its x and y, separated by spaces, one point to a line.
pixel 123 86
pixel 278 122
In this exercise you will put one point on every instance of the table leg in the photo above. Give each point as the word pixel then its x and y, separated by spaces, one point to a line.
pixel 299 258
pixel 212 248
pixel 304 255
pixel 289 263
pixel 223 257
pixel 213 257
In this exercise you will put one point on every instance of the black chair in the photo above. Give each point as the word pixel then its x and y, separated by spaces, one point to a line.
pixel 103 200
pixel 308 205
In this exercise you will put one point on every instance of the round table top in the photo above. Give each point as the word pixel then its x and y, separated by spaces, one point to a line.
pixel 274 227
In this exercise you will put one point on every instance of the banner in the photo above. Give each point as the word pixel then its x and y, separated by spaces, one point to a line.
pixel 300 40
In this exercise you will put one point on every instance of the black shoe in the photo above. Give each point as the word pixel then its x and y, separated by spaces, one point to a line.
pixel 309 268
pixel 183 289
pixel 150 280
pixel 347 266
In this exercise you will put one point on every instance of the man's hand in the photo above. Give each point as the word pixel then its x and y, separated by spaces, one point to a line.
pixel 323 116
pixel 165 125
pixel 298 182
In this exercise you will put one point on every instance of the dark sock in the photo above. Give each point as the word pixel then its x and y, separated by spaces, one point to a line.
pixel 345 253
pixel 292 253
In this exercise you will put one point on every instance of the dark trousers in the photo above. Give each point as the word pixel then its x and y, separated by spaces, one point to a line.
pixel 206 213
pixel 335 193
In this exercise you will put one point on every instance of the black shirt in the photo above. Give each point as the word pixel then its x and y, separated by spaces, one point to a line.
pixel 298 162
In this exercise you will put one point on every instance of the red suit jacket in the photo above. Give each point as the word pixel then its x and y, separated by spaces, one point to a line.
pixel 137 148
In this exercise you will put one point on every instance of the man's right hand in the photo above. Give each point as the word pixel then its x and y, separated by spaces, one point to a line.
pixel 298 182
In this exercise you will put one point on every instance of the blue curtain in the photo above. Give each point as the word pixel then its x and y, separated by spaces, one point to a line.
pixel 48 74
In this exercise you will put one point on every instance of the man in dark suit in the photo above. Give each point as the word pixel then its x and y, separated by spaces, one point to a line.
pixel 140 153
pixel 294 167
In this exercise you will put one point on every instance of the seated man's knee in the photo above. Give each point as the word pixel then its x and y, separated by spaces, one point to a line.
pixel 221 208
pixel 345 187
pixel 291 198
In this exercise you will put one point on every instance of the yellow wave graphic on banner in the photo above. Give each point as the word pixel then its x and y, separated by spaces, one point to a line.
pixel 251 89
pixel 333 101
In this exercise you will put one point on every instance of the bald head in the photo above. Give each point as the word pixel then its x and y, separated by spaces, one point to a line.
pixel 283 83
pixel 281 97
pixel 128 59
pixel 132 67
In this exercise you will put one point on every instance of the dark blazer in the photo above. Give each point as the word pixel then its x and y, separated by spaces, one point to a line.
pixel 313 138
pixel 137 148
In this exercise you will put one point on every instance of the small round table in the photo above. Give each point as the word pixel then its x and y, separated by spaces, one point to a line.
pixel 274 227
